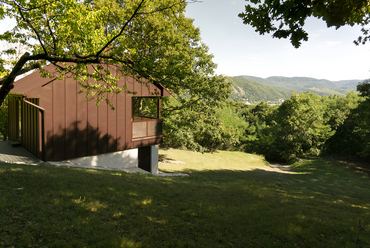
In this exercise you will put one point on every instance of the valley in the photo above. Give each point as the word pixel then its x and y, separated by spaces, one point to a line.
pixel 251 89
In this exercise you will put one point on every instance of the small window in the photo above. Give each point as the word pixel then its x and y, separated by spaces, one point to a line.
pixel 144 108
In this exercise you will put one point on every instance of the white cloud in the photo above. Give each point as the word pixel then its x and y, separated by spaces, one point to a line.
pixel 333 43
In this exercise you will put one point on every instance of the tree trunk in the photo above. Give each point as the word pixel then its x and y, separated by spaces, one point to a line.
pixel 8 83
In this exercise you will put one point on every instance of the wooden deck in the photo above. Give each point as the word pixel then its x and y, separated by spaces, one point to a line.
pixel 16 154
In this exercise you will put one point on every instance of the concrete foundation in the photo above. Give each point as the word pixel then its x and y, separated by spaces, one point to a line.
pixel 127 159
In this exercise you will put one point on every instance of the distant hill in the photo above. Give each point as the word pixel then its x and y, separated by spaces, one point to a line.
pixel 302 84
pixel 253 91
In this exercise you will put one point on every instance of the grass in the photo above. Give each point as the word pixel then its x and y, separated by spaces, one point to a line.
pixel 211 161
pixel 230 199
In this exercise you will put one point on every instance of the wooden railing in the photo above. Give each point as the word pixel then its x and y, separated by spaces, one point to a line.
pixel 146 129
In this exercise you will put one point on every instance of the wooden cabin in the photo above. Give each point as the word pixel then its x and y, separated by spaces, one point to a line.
pixel 55 123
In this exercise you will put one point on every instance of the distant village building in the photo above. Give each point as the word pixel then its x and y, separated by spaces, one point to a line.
pixel 246 101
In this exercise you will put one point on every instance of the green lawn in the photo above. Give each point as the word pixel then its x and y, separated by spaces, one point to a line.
pixel 230 199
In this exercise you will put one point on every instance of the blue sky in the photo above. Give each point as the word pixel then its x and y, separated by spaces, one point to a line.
pixel 238 50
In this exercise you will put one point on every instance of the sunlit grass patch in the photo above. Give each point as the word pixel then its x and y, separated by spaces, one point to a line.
pixel 220 160
pixel 90 205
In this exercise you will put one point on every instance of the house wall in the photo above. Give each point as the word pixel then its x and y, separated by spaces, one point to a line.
pixel 75 127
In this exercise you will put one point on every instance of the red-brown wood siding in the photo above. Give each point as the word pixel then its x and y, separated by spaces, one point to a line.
pixel 121 118
pixel 71 119
pixel 59 115
pixel 92 128
pixel 82 129
pixel 46 102
pixel 103 128
pixel 13 119
pixel 112 124
pixel 130 87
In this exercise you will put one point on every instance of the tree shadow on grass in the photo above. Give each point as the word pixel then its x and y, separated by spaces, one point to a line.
pixel 63 207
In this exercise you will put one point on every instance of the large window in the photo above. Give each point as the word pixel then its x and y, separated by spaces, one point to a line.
pixel 144 108
pixel 146 121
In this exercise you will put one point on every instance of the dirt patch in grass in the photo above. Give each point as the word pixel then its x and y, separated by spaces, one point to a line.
pixel 162 159
pixel 281 168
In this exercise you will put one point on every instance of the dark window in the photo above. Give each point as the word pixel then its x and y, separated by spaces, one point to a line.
pixel 145 118
pixel 144 108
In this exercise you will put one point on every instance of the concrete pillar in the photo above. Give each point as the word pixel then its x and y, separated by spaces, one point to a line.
pixel 154 159
pixel 148 159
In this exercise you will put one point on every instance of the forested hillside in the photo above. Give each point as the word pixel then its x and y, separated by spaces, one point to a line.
pixel 253 91
pixel 302 84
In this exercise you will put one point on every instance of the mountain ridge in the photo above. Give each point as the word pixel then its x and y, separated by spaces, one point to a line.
pixel 247 90
pixel 273 89
pixel 301 84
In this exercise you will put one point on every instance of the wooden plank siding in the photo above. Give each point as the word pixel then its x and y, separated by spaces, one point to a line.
pixel 13 119
pixel 112 124
pixel 128 108
pixel 81 120
pixel 102 128
pixel 59 122
pixel 46 101
pixel 71 123
pixel 92 128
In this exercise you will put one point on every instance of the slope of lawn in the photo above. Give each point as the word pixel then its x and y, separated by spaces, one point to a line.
pixel 230 199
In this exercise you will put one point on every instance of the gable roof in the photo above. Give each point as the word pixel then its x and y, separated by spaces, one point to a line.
pixel 34 81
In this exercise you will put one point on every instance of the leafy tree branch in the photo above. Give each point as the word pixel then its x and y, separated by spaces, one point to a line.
pixel 147 39
pixel 286 19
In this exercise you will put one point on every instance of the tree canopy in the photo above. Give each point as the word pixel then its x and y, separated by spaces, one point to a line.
pixel 286 19
pixel 364 88
pixel 148 39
